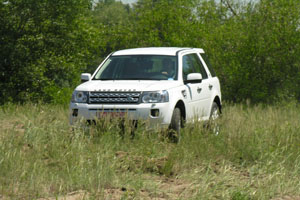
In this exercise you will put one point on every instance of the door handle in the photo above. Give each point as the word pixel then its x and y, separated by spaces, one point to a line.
pixel 183 92
pixel 210 86
pixel 199 89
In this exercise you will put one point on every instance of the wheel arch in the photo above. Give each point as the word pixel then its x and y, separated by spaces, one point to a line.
pixel 218 102
pixel 181 106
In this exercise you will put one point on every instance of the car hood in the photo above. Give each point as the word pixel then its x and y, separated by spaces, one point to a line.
pixel 128 85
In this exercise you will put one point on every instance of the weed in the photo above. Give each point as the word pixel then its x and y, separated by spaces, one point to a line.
pixel 255 156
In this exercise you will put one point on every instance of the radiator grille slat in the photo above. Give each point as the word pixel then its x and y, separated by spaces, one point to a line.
pixel 114 97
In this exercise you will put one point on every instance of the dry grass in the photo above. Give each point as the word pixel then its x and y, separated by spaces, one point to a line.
pixel 256 156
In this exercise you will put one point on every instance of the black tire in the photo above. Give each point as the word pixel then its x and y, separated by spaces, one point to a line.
pixel 214 115
pixel 175 126
pixel 215 112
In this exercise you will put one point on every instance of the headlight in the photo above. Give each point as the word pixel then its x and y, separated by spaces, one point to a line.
pixel 155 97
pixel 79 97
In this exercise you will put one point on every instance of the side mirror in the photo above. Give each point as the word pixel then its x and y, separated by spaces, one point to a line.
pixel 85 77
pixel 194 78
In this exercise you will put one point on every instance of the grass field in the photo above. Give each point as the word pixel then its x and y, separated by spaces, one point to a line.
pixel 255 156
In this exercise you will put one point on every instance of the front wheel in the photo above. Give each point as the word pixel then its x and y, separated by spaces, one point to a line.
pixel 175 126
pixel 214 115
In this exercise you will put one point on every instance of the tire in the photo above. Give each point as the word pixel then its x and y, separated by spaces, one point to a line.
pixel 175 126
pixel 215 112
pixel 214 115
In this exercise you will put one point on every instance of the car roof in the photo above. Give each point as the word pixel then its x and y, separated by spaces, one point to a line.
pixel 170 51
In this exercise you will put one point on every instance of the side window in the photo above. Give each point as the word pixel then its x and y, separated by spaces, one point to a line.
pixel 187 66
pixel 192 64
pixel 206 60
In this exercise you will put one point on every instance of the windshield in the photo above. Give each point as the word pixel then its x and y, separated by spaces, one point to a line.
pixel 138 67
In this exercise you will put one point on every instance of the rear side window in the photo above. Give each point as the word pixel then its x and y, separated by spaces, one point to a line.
pixel 206 60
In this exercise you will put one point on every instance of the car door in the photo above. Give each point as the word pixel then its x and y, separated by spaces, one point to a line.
pixel 199 92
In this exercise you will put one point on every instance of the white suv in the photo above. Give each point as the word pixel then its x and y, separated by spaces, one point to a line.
pixel 166 86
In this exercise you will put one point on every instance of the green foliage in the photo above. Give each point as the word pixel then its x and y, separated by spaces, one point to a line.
pixel 111 19
pixel 265 64
pixel 163 23
pixel 42 44
pixel 254 47
pixel 239 196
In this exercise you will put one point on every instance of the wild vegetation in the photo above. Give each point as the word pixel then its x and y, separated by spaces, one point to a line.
pixel 255 156
pixel 253 45
pixel 254 48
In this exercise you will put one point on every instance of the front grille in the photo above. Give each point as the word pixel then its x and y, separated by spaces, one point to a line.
pixel 114 97
pixel 113 110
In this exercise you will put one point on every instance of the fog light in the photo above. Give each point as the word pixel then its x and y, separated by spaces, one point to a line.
pixel 75 113
pixel 154 112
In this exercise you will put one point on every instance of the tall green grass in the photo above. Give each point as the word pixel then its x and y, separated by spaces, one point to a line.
pixel 255 156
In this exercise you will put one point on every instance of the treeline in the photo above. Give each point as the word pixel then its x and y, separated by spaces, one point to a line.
pixel 254 46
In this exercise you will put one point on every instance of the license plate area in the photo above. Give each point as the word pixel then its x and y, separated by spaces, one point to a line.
pixel 110 114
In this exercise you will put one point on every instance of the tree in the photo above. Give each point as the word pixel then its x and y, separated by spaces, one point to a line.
pixel 111 18
pixel 254 46
pixel 42 47
pixel 264 64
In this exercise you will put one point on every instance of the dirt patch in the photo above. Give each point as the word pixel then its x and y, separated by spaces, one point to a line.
pixel 287 198
pixel 77 195
pixel 176 188
pixel 15 126
pixel 166 189
pixel 148 165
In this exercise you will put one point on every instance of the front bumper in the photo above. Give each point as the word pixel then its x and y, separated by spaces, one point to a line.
pixel 154 113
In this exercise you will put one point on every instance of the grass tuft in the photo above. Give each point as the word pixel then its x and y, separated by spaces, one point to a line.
pixel 255 156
